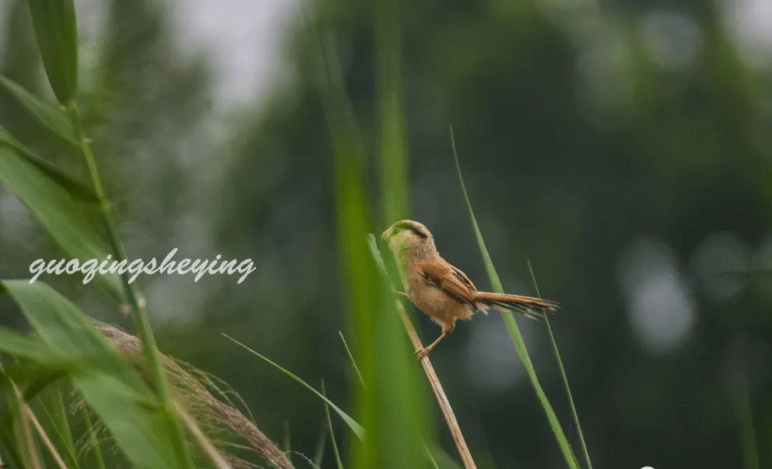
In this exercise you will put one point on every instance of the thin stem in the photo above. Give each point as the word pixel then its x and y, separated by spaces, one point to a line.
pixel 136 306
pixel 92 437
pixel 338 461
pixel 434 381
pixel 25 411
pixel 353 362
pixel 209 450
pixel 563 375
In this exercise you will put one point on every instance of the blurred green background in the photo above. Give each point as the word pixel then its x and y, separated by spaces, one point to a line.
pixel 623 147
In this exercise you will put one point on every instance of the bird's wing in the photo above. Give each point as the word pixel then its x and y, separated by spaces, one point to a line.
pixel 450 280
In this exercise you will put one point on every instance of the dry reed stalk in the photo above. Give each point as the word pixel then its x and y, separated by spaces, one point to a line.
pixel 439 393
pixel 434 381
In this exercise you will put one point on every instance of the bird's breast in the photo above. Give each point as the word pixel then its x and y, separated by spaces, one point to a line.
pixel 437 304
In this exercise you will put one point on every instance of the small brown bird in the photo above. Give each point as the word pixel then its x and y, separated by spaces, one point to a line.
pixel 441 290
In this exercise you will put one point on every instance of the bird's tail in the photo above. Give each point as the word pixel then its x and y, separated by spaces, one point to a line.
pixel 525 305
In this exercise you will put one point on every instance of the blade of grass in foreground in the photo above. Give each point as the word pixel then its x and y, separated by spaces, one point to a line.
pixel 563 375
pixel 514 331
pixel 358 430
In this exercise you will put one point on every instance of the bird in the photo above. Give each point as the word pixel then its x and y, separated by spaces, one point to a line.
pixel 442 291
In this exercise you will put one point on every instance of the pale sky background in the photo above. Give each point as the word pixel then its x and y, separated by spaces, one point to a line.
pixel 245 40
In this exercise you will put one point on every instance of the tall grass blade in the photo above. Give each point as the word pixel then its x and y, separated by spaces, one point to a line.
pixel 563 374
pixel 389 411
pixel 390 111
pixel 512 328
pixel 405 399
pixel 56 29
pixel 358 430
pixel 335 451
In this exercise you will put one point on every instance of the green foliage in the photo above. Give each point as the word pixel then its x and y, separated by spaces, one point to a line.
pixel 61 425
pixel 57 33
pixel 514 330
pixel 73 187
pixel 107 382
pixel 144 425
pixel 51 117
pixel 63 217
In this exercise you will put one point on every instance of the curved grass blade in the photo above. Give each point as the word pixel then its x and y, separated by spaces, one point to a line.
pixel 512 328
pixel 60 215
pixel 353 362
pixel 52 117
pixel 358 430
pixel 563 375
pixel 57 34
pixel 78 189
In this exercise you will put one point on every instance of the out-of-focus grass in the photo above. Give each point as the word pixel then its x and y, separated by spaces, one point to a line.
pixel 390 405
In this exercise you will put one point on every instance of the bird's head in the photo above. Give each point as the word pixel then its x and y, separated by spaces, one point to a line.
pixel 406 234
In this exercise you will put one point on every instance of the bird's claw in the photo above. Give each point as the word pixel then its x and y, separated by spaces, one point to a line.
pixel 419 354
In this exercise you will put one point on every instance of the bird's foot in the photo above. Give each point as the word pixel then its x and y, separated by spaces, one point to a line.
pixel 419 354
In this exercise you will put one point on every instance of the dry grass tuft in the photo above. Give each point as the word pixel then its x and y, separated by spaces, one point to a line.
pixel 221 420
